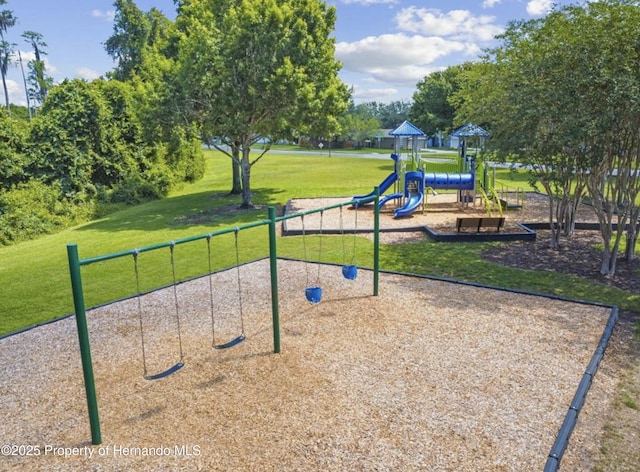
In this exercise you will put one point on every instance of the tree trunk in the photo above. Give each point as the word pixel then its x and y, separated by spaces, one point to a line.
pixel 6 94
pixel 572 211
pixel 632 234
pixel 605 267
pixel 246 178
pixel 236 188
pixel 554 241
pixel 632 239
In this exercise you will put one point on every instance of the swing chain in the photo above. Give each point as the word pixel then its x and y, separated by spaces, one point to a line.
pixel 304 247
pixel 241 337
pixel 211 302
pixel 320 247
pixel 135 268
pixel 175 297
pixel 355 230
pixel 237 230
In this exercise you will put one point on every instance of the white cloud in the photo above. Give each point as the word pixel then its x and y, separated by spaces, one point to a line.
pixel 30 56
pixel 490 3
pixel 389 50
pixel 26 57
pixel 374 94
pixel 456 24
pixel 398 58
pixel 108 15
pixel 389 66
pixel 539 7
pixel 86 73
pixel 16 93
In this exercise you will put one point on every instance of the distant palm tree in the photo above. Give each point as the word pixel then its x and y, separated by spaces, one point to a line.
pixel 7 20
pixel 38 79
pixel 6 51
pixel 24 81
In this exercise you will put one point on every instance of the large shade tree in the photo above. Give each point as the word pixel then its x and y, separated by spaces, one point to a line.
pixel 518 92
pixel 256 69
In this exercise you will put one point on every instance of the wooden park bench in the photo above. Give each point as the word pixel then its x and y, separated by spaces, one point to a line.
pixel 493 222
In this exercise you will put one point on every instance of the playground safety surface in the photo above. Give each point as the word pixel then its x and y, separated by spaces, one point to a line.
pixel 429 375
pixel 437 219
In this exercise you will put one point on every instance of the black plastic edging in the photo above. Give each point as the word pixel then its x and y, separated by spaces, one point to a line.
pixel 528 234
pixel 37 325
pixel 569 423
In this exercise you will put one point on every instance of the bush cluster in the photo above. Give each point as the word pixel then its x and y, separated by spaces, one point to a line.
pixel 86 150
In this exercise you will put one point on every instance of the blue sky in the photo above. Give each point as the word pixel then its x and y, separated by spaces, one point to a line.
pixel 386 46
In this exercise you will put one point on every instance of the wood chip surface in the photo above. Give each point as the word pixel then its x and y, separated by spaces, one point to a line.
pixel 440 214
pixel 429 375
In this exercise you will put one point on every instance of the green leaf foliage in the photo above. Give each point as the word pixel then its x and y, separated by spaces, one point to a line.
pixel 258 68
pixel 13 158
pixel 32 209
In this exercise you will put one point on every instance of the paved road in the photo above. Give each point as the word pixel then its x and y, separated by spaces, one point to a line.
pixel 382 154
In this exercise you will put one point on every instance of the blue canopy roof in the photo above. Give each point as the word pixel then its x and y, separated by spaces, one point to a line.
pixel 470 129
pixel 406 128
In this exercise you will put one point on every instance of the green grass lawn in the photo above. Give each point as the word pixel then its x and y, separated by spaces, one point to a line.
pixel 35 276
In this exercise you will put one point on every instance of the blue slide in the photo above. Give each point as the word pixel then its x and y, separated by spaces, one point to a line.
pixel 391 196
pixel 413 202
pixel 384 186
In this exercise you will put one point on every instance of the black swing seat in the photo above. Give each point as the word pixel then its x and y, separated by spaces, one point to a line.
pixel 166 373
pixel 231 343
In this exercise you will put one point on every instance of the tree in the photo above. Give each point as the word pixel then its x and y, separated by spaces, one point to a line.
pixel 7 20
pixel 67 135
pixel 432 110
pixel 13 158
pixel 130 39
pixel 257 69
pixel 391 114
pixel 143 45
pixel 561 95
pixel 613 96
pixel 38 80
pixel 358 123
pixel 6 53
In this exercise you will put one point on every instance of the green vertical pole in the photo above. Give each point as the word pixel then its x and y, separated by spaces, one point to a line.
pixel 273 263
pixel 83 337
pixel 376 242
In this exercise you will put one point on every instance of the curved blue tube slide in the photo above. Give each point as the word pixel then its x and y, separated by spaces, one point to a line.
pixel 391 196
pixel 413 202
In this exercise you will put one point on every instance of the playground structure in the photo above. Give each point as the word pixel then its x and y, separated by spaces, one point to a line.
pixel 419 183
pixel 467 175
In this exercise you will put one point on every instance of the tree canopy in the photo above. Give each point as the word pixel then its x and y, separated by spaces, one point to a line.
pixel 432 110
pixel 256 69
pixel 562 95
pixel 359 123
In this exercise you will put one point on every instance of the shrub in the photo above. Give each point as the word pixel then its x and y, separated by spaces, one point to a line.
pixel 33 209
